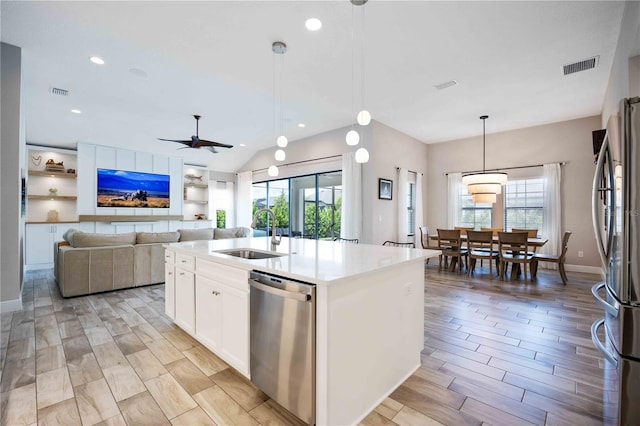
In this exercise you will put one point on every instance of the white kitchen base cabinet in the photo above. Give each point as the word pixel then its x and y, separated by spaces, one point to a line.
pixel 208 312
pixel 185 294
pixel 39 243
pixel 170 291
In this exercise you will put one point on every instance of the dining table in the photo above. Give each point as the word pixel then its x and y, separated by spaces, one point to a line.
pixel 534 243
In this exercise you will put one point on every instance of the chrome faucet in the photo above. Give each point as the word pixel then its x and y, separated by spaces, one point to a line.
pixel 274 240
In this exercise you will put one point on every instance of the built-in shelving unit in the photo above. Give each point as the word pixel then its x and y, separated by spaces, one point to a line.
pixel 52 197
pixel 195 192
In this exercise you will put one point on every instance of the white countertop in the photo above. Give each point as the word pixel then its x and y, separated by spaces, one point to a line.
pixel 318 262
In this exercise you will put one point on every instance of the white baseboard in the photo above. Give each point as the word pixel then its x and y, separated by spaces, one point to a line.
pixel 11 305
pixel 586 269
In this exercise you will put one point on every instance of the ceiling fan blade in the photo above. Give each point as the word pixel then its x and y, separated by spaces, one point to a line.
pixel 174 140
pixel 203 142
pixel 211 148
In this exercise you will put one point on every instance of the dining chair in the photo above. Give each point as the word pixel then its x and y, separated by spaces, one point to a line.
pixel 531 233
pixel 480 246
pixel 514 248
pixel 463 229
pixel 424 240
pixel 540 257
pixel 450 243
pixel 396 244
pixel 346 240
pixel 494 231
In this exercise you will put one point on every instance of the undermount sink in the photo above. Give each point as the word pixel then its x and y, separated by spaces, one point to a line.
pixel 250 253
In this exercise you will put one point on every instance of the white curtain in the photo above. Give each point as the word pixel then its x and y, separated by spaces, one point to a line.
pixel 418 211
pixel 454 210
pixel 552 211
pixel 243 201
pixel 231 214
pixel 403 204
pixel 351 214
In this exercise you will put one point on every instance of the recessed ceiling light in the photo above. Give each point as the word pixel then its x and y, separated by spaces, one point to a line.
pixel 313 24
pixel 301 125
pixel 97 60
pixel 76 111
pixel 242 144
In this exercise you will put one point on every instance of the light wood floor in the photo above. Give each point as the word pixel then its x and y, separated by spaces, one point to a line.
pixel 498 353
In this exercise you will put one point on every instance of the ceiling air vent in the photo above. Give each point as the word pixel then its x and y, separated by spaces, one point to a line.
pixel 583 65
pixel 445 84
pixel 58 91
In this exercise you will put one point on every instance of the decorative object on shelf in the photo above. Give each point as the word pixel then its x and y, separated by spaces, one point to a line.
pixel 52 166
pixel 196 142
pixel 71 170
pixel 36 160
pixel 199 216
pixel 193 178
pixel 52 216
pixel 53 190
pixel 484 186
pixel 385 189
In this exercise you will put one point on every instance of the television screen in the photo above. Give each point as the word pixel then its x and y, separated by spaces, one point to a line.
pixel 119 188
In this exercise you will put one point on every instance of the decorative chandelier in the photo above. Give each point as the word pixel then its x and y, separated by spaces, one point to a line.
pixel 278 48
pixel 484 186
pixel 363 118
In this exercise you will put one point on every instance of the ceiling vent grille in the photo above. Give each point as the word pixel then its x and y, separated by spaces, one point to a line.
pixel 445 85
pixel 583 65
pixel 58 91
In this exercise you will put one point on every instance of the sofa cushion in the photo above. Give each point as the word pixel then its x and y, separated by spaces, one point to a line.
pixel 240 232
pixel 68 235
pixel 82 239
pixel 196 234
pixel 157 237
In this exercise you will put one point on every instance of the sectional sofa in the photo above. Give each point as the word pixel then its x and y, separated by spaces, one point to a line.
pixel 87 263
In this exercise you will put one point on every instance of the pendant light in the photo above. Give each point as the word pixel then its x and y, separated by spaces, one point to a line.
pixel 363 118
pixel 278 48
pixel 484 186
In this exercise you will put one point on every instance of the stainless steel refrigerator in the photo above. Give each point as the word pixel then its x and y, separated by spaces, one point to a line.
pixel 616 207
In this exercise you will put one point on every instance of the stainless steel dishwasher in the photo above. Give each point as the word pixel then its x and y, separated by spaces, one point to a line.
pixel 283 342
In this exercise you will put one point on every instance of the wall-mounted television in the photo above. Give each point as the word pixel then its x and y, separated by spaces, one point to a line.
pixel 120 188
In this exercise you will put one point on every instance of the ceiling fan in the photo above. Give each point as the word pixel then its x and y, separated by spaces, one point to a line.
pixel 196 142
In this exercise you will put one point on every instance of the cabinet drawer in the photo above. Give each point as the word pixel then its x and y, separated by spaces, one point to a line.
pixel 185 261
pixel 228 275
pixel 169 256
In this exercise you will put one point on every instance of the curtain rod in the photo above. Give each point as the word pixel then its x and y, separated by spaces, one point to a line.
pixel 562 163
pixel 410 171
pixel 300 162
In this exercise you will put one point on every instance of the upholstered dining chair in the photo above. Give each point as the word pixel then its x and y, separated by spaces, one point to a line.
pixel 480 246
pixel 424 239
pixel 450 243
pixel 396 244
pixel 346 240
pixel 540 257
pixel 514 248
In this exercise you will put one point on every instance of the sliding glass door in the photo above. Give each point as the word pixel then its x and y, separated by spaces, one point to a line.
pixel 305 206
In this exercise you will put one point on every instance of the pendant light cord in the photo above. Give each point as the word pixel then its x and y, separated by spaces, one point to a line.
pixel 484 155
pixel 353 66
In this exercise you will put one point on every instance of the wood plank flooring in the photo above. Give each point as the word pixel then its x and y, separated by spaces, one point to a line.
pixel 495 352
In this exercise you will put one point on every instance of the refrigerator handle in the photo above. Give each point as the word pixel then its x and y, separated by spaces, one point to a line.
pixel 595 202
pixel 608 308
pixel 599 346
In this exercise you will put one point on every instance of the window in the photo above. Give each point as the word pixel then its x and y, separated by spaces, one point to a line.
pixel 523 203
pixel 221 196
pixel 411 211
pixel 306 206
pixel 476 215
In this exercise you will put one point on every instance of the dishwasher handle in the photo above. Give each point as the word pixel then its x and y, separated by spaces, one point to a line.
pixel 278 292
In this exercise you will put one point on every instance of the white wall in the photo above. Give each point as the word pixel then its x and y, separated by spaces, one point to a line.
pixel 92 157
pixel 11 160
pixel 568 141
pixel 624 80
pixel 388 149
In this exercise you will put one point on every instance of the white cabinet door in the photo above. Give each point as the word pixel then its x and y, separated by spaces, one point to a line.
pixel 235 328
pixel 185 300
pixel 39 244
pixel 60 229
pixel 208 312
pixel 169 290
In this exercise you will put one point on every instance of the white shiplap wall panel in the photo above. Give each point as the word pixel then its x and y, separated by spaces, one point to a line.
pixel 144 163
pixel 175 170
pixel 86 169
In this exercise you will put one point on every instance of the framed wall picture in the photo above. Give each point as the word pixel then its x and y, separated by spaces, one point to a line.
pixel 385 189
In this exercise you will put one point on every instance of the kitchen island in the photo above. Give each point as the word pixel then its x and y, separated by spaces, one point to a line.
pixel 369 311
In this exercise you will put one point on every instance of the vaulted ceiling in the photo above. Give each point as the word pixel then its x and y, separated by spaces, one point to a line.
pixel 166 61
